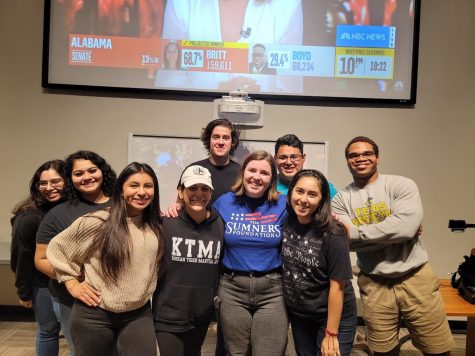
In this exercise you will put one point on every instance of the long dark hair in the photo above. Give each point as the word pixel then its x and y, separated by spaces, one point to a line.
pixel 272 193
pixel 322 218
pixel 108 174
pixel 112 238
pixel 35 199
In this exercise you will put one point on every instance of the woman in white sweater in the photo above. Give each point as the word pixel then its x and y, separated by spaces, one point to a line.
pixel 109 262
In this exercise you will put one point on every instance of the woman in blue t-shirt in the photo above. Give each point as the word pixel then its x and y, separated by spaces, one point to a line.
pixel 317 270
pixel 252 309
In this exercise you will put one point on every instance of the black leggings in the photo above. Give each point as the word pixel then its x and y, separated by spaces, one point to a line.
pixel 96 331
pixel 186 343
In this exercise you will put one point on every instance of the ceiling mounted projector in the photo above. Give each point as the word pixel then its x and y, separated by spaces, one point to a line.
pixel 239 108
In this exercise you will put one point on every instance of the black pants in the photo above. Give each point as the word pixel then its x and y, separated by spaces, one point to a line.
pixel 96 331
pixel 186 343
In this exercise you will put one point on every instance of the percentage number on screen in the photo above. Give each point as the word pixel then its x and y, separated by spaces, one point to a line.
pixel 193 58
pixel 279 59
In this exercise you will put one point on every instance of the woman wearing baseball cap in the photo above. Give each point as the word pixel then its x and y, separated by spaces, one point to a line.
pixel 183 304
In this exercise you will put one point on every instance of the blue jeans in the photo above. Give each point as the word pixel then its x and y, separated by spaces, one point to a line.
pixel 47 337
pixel 63 313
pixel 252 314
pixel 309 333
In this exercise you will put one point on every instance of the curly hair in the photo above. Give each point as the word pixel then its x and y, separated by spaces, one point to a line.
pixel 108 175
pixel 207 131
pixel 35 199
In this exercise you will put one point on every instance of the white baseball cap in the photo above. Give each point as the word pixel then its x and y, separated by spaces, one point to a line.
pixel 195 175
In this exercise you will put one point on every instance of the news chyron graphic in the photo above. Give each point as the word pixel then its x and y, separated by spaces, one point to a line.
pixel 361 52
pixel 365 52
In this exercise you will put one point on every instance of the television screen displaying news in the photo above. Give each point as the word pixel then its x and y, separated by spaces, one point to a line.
pixel 308 49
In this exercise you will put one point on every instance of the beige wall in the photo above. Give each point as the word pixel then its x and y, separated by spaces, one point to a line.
pixel 432 143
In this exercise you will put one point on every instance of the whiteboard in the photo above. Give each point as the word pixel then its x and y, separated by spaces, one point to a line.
pixel 169 155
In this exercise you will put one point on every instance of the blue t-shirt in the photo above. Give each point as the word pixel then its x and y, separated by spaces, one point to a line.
pixel 282 188
pixel 253 232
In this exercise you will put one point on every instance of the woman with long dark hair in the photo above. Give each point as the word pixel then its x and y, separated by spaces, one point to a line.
pixel 252 310
pixel 46 191
pixel 317 270
pixel 89 181
pixel 109 261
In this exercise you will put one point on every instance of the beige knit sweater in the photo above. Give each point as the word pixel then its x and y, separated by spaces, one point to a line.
pixel 136 282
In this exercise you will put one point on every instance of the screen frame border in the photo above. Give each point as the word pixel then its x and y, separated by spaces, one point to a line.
pixel 183 94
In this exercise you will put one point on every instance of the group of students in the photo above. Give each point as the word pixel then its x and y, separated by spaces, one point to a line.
pixel 233 247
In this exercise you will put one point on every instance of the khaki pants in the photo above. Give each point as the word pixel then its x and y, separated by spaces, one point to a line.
pixel 416 299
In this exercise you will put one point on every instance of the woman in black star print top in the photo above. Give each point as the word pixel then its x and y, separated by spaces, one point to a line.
pixel 317 270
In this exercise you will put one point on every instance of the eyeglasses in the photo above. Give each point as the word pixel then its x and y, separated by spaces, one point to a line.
pixel 366 154
pixel 293 158
pixel 55 183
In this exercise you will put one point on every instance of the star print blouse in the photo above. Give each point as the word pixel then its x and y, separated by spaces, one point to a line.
pixel 310 260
